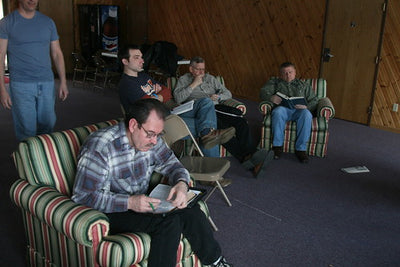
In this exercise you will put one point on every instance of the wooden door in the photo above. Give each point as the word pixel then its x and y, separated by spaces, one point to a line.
pixel 351 48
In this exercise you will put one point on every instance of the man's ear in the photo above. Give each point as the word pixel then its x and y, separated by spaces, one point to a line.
pixel 125 61
pixel 132 124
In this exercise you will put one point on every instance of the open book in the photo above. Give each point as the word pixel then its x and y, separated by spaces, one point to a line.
pixel 183 108
pixel 161 191
pixel 291 102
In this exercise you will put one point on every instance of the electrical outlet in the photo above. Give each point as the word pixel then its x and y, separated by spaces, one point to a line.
pixel 395 107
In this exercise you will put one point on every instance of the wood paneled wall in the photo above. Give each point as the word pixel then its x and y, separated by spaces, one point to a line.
pixel 244 41
pixel 388 85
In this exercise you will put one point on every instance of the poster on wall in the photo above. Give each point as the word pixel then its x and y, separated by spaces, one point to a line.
pixel 109 22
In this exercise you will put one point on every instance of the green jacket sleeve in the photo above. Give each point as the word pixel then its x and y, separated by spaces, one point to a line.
pixel 268 90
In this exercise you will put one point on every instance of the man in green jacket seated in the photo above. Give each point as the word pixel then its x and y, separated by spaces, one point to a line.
pixel 290 86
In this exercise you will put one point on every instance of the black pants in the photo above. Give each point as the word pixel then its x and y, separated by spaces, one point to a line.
pixel 166 231
pixel 242 144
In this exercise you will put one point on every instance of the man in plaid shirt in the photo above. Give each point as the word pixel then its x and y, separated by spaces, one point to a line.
pixel 114 169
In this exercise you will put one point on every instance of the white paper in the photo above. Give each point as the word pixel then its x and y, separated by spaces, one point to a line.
pixel 355 169
pixel 183 108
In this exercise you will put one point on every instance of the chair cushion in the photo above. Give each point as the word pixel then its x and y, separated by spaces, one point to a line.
pixel 205 168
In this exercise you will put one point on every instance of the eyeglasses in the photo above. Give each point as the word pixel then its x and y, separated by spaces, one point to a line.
pixel 199 69
pixel 151 134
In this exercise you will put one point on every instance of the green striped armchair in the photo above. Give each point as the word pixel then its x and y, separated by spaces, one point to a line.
pixel 318 144
pixel 171 83
pixel 60 232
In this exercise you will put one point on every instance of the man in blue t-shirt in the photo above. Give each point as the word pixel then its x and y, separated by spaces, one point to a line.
pixel 30 41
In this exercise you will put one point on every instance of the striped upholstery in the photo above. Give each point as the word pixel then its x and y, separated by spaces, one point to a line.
pixel 60 232
pixel 318 144
pixel 171 83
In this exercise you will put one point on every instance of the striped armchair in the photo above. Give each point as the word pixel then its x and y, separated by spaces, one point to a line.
pixel 318 144
pixel 60 232
pixel 171 83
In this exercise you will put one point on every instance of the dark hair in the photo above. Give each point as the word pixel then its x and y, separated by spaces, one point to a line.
pixel 196 60
pixel 141 109
pixel 123 52
pixel 286 64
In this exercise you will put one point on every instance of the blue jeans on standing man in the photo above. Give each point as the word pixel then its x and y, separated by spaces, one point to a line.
pixel 303 119
pixel 200 118
pixel 32 108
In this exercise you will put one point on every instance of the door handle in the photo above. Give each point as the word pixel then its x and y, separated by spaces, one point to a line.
pixel 326 56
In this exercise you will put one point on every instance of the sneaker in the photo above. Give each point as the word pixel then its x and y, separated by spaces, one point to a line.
pixel 277 151
pixel 302 156
pixel 222 263
pixel 217 137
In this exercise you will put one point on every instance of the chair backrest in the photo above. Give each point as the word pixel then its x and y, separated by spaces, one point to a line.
pixel 176 129
pixel 50 159
pixel 98 61
pixel 318 85
pixel 172 81
pixel 80 61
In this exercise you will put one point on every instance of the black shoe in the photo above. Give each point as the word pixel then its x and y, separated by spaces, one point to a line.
pixel 222 263
pixel 277 151
pixel 302 156
pixel 259 169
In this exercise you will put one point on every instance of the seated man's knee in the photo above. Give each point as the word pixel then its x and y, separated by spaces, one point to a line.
pixel 205 102
pixel 306 114
pixel 278 113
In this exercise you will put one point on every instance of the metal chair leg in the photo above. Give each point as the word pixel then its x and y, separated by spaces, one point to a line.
pixel 212 224
pixel 223 193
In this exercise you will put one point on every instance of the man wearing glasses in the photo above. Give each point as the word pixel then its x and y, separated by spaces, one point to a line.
pixel 113 174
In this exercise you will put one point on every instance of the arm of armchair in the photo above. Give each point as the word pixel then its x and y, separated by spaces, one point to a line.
pixel 235 103
pixel 325 108
pixel 265 107
pixel 75 221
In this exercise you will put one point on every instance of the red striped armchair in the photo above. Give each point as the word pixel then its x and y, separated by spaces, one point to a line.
pixel 60 232
pixel 318 144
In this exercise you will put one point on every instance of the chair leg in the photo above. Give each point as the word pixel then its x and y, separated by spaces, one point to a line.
pixel 210 193
pixel 223 193
pixel 212 224
pixel 73 77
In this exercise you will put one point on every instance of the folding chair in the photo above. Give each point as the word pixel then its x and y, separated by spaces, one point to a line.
pixel 201 168
pixel 82 69
pixel 105 72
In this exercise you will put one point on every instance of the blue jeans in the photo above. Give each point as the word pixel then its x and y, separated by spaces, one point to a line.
pixel 202 117
pixel 32 108
pixel 303 118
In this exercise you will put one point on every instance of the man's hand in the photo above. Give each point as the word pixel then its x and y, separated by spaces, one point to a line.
pixel 276 99
pixel 157 88
pixel 63 91
pixel 178 195
pixel 197 81
pixel 214 97
pixel 5 99
pixel 300 107
pixel 141 203
pixel 158 97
